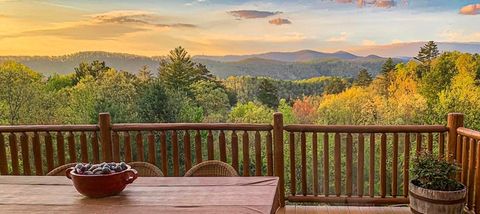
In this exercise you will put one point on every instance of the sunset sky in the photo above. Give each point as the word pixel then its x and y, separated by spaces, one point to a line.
pixel 229 27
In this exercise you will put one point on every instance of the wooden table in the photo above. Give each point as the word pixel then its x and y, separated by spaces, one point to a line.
pixel 45 194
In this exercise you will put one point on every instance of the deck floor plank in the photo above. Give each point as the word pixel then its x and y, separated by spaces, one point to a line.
pixel 294 209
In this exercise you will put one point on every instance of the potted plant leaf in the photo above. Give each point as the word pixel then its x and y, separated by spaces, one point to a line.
pixel 434 188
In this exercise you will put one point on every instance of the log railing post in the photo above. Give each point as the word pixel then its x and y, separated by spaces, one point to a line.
pixel 105 136
pixel 279 164
pixel 454 121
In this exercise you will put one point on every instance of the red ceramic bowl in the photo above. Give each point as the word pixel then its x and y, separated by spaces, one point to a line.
pixel 97 186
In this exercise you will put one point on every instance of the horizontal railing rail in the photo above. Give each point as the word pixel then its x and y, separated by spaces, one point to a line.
pixel 190 126
pixel 366 128
pixel 48 128
pixel 468 157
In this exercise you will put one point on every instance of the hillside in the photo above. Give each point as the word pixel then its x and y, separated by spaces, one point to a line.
pixel 288 66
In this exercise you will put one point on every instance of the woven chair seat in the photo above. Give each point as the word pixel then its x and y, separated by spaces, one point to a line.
pixel 145 169
pixel 60 171
pixel 212 168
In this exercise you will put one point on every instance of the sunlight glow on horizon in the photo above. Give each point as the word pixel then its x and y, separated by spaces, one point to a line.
pixel 210 27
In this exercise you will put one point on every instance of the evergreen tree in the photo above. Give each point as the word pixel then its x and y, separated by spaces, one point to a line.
pixel 144 74
pixel 94 69
pixel 178 72
pixel 428 52
pixel 388 66
pixel 267 94
pixel 363 78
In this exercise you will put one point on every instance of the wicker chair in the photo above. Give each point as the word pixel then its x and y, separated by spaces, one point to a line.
pixel 212 168
pixel 60 171
pixel 145 169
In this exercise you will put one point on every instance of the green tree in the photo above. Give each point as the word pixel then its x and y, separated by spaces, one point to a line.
pixel 287 111
pixel 267 93
pixel 19 88
pixel 179 72
pixel 250 113
pixel 213 99
pixel 94 69
pixel 363 78
pixel 387 67
pixel 57 82
pixel 428 52
pixel 335 85
pixel 154 104
pixel 144 74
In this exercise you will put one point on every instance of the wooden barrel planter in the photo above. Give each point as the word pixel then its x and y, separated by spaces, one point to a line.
pixel 437 202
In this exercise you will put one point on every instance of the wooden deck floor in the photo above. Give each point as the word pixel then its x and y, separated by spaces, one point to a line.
pixel 293 209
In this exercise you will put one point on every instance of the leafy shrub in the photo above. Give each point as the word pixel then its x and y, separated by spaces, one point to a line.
pixel 430 172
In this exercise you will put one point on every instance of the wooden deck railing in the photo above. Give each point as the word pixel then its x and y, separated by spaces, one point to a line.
pixel 468 156
pixel 315 163
pixel 358 166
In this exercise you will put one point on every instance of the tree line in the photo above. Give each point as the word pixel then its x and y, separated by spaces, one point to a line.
pixel 421 91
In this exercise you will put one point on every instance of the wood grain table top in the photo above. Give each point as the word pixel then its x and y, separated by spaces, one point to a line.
pixel 48 194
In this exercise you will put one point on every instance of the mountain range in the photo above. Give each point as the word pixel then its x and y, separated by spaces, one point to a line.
pixel 280 65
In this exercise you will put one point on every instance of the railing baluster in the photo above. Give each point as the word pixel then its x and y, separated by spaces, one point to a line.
pixel 360 164
pixel 210 148
pixel 49 152
pixel 441 147
pixel 84 147
pixel 406 164
pixel 371 185
pixel 12 140
pixel 3 157
pixel 25 155
pixel 258 154
pixel 223 146
pixel 315 163
pixel 127 146
pixel 116 147
pixel 95 148
pixel 246 154
pixel 293 180
pixel 395 165
pixel 326 163
pixel 60 148
pixel 269 154
pixel 151 147
pixel 349 173
pixel 383 165
pixel 37 154
pixel 235 150
pixel 139 143
pixel 303 149
pixel 198 147
pixel 72 152
pixel 471 172
pixel 338 170
pixel 419 143
pixel 163 147
pixel 464 163
pixel 430 143
pixel 477 180
pixel 187 150
pixel 458 151
pixel 176 164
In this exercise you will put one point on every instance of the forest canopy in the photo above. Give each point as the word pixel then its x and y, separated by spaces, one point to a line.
pixel 421 91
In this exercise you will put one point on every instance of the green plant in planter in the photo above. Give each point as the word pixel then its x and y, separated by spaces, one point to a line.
pixel 430 172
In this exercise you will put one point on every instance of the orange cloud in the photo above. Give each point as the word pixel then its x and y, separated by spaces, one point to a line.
pixel 135 17
pixel 472 9
pixel 279 21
